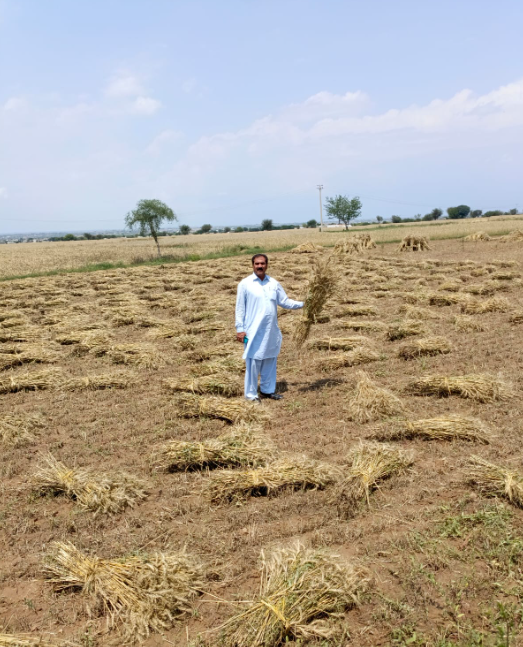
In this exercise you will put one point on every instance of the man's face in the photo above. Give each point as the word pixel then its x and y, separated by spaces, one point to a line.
pixel 260 266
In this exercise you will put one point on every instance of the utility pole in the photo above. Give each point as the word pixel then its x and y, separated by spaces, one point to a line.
pixel 320 187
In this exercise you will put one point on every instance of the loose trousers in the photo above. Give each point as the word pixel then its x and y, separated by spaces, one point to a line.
pixel 266 370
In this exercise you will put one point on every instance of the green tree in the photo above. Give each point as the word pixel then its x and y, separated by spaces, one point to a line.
pixel 396 219
pixel 456 213
pixel 185 230
pixel 88 236
pixel 436 213
pixel 343 209
pixel 266 224
pixel 205 229
pixel 69 237
pixel 226 230
pixel 311 224
pixel 428 216
pixel 239 230
pixel 476 213
pixel 379 219
pixel 513 212
pixel 148 216
pixel 494 212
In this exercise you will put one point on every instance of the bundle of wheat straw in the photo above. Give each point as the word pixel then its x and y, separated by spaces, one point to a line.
pixel 299 473
pixel 416 312
pixel 371 402
pixel 495 304
pixel 26 640
pixel 477 236
pixel 495 480
pixel 229 364
pixel 363 325
pixel 369 463
pixel 101 493
pixel 350 358
pixel 140 594
pixel 301 589
pixel 404 329
pixel 222 383
pixel 480 387
pixel 451 427
pixel 464 323
pixel 515 236
pixel 233 411
pixel 321 287
pixel 425 346
pixel 31 381
pixel 306 248
pixel 340 343
pixel 21 335
pixel 141 355
pixel 112 380
pixel 448 299
pixel 244 445
pixel 16 429
pixel 359 311
pixel 30 356
pixel 414 243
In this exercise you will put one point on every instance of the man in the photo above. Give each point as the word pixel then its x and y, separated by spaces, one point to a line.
pixel 257 303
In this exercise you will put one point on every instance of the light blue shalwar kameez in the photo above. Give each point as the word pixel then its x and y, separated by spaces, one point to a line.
pixel 257 315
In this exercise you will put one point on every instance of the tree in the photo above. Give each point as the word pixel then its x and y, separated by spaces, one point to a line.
pixel 311 224
pixel 185 230
pixel 494 212
pixel 436 213
pixel 266 224
pixel 428 216
pixel 456 213
pixel 226 230
pixel 513 212
pixel 239 230
pixel 476 213
pixel 417 216
pixel 379 219
pixel 148 216
pixel 69 237
pixel 396 219
pixel 205 229
pixel 88 236
pixel 343 209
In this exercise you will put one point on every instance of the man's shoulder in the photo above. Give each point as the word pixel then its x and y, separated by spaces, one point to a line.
pixel 247 279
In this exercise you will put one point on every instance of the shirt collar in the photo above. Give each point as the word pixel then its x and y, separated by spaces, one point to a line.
pixel 255 278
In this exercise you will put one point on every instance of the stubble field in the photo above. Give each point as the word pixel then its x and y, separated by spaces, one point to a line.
pixel 101 370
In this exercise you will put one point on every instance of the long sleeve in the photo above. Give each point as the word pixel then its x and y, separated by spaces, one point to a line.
pixel 284 301
pixel 240 309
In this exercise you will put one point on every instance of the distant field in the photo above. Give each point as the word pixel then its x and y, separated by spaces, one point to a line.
pixel 32 258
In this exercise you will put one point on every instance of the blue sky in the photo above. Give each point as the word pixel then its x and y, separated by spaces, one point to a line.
pixel 234 111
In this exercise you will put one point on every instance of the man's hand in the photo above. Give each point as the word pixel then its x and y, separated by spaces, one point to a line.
pixel 240 336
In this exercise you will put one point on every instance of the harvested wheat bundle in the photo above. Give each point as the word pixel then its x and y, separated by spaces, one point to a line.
pixel 414 243
pixel 369 463
pixel 321 288
pixel 358 311
pixel 140 594
pixel 495 480
pixel 516 317
pixel 477 236
pixel 515 236
pixel 451 286
pixel 405 328
pixel 363 325
pixel 233 411
pixel 451 427
pixel 16 429
pixel 355 244
pixel 101 493
pixel 350 358
pixel 437 299
pixel 31 380
pixel 495 304
pixel 223 383
pixel 167 331
pixel 371 402
pixel 23 335
pixel 296 473
pixel 33 355
pixel 307 248
pixel 230 364
pixel 480 387
pixel 464 323
pixel 411 312
pixel 113 380
pixel 425 346
pixel 505 276
pixel 244 445
pixel 26 640
pixel 340 343
pixel 137 355
pixel 204 327
pixel 300 589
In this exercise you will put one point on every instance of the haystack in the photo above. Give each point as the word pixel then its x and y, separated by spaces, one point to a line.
pixel 140 594
pixel 307 248
pixel 299 473
pixel 321 287
pixel 19 428
pixel 478 236
pixel 31 381
pixel 475 307
pixel 340 343
pixel 451 427
pixel 301 589
pixel 233 411
pixel 230 364
pixel 423 347
pixel 359 310
pixel 99 492
pixel 112 380
pixel 371 402
pixel 405 328
pixel 480 387
pixel 411 312
pixel 414 243
pixel 222 383
pixel 351 358
pixel 369 463
pixel 141 355
pixel 363 325
pixel 515 236
pixel 495 480
pixel 464 323
pixel 355 244
pixel 27 640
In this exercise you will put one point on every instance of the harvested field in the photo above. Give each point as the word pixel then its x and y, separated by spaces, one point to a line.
pixel 228 480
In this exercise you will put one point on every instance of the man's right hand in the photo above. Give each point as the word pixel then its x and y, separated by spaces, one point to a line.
pixel 240 336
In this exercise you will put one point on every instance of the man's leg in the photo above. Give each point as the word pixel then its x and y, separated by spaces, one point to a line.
pixel 252 371
pixel 268 376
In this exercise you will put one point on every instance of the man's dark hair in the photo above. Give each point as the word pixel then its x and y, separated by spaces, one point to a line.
pixel 257 255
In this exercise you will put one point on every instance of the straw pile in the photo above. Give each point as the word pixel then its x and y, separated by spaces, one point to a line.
pixel 480 387
pixel 371 402
pixel 516 317
pixel 26 640
pixel 244 445
pixel 31 381
pixel 359 311
pixel 101 493
pixel 363 325
pixel 495 480
pixel 515 236
pixel 405 328
pixel 140 355
pixel 340 343
pixel 414 243
pixel 24 335
pixel 306 248
pixel 300 589
pixel 222 383
pixel 113 380
pixel 233 411
pixel 474 307
pixel 351 358
pixel 369 463
pixel 16 429
pixel 167 331
pixel 425 346
pixel 321 287
pixel 464 323
pixel 438 299
pixel 416 312
pixel 355 244
pixel 139 593
pixel 478 236
pixel 230 364
pixel 299 473
pixel 452 427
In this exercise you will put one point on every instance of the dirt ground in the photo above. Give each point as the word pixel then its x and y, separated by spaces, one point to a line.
pixel 445 561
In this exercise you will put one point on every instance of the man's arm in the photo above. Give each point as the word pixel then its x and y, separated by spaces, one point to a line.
pixel 240 313
pixel 284 301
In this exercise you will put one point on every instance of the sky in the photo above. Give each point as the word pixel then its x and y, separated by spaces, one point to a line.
pixel 234 111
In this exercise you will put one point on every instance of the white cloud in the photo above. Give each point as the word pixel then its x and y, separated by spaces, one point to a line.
pixel 145 106
pixel 14 104
pixel 160 141
pixel 125 85
pixel 3 192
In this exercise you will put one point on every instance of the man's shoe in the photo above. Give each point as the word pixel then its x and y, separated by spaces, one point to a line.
pixel 271 396
pixel 254 400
